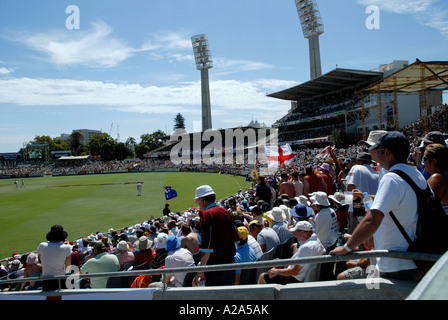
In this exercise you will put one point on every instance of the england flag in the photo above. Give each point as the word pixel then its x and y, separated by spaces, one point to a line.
pixel 276 156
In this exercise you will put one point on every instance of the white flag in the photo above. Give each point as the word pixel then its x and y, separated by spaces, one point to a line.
pixel 276 156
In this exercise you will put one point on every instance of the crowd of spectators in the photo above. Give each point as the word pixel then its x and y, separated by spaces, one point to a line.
pixel 323 187
pixel 312 109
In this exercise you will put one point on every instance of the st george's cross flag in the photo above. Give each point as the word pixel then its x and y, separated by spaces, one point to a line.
pixel 276 156
pixel 169 193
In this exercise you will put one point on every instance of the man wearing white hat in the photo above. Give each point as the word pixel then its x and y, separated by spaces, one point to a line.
pixel 310 246
pixel 161 253
pixel 218 237
pixel 326 220
pixel 280 225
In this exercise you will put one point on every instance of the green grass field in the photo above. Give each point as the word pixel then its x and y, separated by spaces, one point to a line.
pixel 91 203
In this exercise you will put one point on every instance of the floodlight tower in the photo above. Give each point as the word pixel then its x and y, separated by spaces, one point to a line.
pixel 204 62
pixel 312 27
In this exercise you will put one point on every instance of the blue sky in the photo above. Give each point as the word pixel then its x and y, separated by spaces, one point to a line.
pixel 129 68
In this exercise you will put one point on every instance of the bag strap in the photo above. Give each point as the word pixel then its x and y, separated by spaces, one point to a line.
pixel 400 227
pixel 419 192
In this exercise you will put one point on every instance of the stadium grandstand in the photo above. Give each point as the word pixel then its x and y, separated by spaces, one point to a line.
pixel 357 101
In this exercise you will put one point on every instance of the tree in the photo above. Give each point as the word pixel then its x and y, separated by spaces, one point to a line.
pixel 44 140
pixel 121 151
pixel 338 138
pixel 76 145
pixel 153 140
pixel 179 122
pixel 140 150
pixel 102 144
pixel 53 144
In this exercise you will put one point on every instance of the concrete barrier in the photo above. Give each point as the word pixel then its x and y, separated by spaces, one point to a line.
pixel 325 290
pixel 382 289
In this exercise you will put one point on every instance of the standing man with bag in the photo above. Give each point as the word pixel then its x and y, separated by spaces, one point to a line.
pixel 394 194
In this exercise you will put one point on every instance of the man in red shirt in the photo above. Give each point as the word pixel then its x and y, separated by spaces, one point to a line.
pixel 218 237
pixel 316 183
pixel 145 253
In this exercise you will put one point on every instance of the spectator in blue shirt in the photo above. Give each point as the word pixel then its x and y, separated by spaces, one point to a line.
pixel 244 253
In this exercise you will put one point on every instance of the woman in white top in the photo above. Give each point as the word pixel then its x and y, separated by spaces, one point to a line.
pixel 55 256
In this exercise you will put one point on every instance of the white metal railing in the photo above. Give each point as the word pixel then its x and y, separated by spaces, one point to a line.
pixel 247 265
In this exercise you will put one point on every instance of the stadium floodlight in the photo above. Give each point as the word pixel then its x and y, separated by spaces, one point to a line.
pixel 203 59
pixel 201 51
pixel 312 27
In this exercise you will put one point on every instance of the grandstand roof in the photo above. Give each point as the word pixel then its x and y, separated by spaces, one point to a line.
pixel 414 78
pixel 73 158
pixel 333 82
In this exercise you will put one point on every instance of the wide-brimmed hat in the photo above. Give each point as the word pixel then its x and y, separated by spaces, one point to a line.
pixel 160 240
pixel 301 211
pixel 122 245
pixel 203 191
pixel 338 197
pixel 56 234
pixel 373 138
pixel 285 209
pixel 32 258
pixel 320 198
pixel 364 156
pixel 304 200
pixel 143 243
pixel 172 243
pixel 325 166
pixel 15 265
pixel 277 214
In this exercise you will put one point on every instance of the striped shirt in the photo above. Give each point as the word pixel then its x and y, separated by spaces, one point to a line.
pixel 281 228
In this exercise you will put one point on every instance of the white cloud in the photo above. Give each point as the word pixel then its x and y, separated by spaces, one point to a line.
pixel 427 12
pixel 4 71
pixel 94 47
pixel 227 66
pixel 168 41
pixel 401 6
pixel 97 47
pixel 227 96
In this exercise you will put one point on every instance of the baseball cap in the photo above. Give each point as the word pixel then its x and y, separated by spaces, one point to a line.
pixel 203 191
pixel 302 225
pixel 434 137
pixel 243 233
pixel 100 246
pixel 392 140
pixel 254 223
